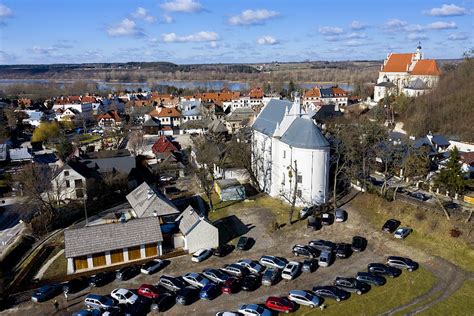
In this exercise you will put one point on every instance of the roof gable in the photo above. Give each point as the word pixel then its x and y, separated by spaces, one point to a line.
pixel 398 62
pixel 426 67
pixel 145 200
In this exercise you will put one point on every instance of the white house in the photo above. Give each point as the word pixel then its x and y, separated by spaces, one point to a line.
pixel 70 182
pixel 288 147
pixel 73 111
pixel 34 117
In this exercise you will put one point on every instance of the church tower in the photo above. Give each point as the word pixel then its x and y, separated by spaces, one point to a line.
pixel 418 54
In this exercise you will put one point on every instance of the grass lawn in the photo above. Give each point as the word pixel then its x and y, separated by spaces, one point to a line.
pixel 430 230
pixel 89 138
pixel 378 300
pixel 460 303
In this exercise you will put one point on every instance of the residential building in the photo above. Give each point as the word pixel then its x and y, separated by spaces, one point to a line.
pixel 287 147
pixel 109 119
pixel 167 116
pixel 190 110
pixel 239 118
pixel 163 147
pixel 72 181
pixel 146 201
pixel 20 154
pixel 73 112
pixel 316 97
pixel 34 117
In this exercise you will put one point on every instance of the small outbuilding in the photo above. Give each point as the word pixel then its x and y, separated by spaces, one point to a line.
pixel 229 190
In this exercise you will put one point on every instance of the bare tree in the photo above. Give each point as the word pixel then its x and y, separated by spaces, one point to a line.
pixel 136 142
pixel 291 194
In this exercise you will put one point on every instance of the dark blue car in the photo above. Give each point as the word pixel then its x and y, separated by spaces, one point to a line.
pixel 210 291
pixel 88 312
pixel 46 292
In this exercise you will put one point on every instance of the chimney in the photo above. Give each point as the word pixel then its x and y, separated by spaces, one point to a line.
pixel 155 213
pixel 123 218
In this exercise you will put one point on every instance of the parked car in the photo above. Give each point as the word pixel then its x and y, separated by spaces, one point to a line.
pixel 280 304
pixel 309 265
pixel 229 314
pixel 351 285
pixel 46 292
pixel 370 278
pixel 196 279
pixel 148 290
pixel 419 196
pixel 358 243
pixel 325 259
pixel 235 269
pixel 343 250
pixel 140 307
pixel 322 245
pixel 251 282
pixel 75 285
pixel 390 225
pixel 232 285
pixel 333 292
pixel 210 291
pixel 271 276
pixel 172 283
pixel 340 215
pixel 314 223
pixel 305 212
pixel 273 262
pixel 254 310
pixel 402 263
pixel 291 270
pixel 223 250
pixel 245 243
pixel 215 275
pixel 251 265
pixel 94 301
pixel 201 255
pixel 166 178
pixel 88 312
pixel 304 298
pixel 305 251
pixel 402 232
pixel 127 273
pixel 101 279
pixel 152 266
pixel 382 269
pixel 163 302
pixel 327 219
pixel 124 296
pixel 187 295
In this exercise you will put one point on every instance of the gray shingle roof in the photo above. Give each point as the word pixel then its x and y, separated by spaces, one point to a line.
pixel 271 115
pixel 106 237
pixel 120 164
pixel 145 200
pixel 303 133
pixel 189 219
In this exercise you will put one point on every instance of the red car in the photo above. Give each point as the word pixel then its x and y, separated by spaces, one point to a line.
pixel 280 304
pixel 148 290
pixel 231 285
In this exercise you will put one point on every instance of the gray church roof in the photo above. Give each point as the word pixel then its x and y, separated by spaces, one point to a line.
pixel 271 115
pixel 417 84
pixel 303 133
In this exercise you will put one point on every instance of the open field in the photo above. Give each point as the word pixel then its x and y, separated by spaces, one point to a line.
pixel 463 297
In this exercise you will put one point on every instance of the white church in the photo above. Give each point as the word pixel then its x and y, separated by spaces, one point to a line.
pixel 289 147
pixel 409 74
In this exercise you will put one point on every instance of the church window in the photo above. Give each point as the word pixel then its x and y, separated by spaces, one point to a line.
pixel 299 178
pixel 299 193
pixel 284 154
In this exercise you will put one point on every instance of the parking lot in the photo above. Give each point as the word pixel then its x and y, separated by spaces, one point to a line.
pixel 278 243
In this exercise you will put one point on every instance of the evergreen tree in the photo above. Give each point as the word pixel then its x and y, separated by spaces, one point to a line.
pixel 452 178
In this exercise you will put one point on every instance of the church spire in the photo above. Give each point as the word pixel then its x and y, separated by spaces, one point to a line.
pixel 418 54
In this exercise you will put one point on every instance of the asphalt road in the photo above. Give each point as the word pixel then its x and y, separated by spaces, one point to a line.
pixel 10 224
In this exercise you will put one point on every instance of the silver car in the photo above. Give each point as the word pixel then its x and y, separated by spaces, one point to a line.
pixel 325 259
pixel 251 265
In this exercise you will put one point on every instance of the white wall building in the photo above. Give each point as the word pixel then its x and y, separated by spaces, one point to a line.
pixel 287 142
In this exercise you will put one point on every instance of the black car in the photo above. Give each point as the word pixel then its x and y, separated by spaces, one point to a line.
pixel 402 263
pixel 127 273
pixel 351 285
pixel 314 223
pixel 331 292
pixel 244 243
pixel 310 265
pixel 419 196
pixel 163 302
pixel 223 250
pixel 75 285
pixel 187 295
pixel 343 250
pixel 380 268
pixel 391 225
pixel 358 243
pixel 171 283
pixel 323 245
pixel 327 219
pixel 251 282
pixel 306 251
pixel 101 279
pixel 140 307
pixel 370 278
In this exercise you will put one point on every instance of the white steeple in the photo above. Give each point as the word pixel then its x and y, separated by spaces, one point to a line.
pixel 418 54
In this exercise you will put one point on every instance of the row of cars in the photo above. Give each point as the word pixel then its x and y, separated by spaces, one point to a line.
pixel 393 226
pixel 340 290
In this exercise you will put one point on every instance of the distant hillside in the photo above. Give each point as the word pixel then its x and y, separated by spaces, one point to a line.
pixel 448 108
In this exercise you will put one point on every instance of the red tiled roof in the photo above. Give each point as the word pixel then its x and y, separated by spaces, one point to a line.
pixel 313 93
pixel 398 62
pixel 165 112
pixel 336 91
pixel 163 145
pixel 256 93
pixel 110 115
pixel 427 67
pixel 88 99
pixel 467 158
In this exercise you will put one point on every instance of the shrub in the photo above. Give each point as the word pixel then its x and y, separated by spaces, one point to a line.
pixel 455 233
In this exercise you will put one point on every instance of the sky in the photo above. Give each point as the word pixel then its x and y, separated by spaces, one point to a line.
pixel 230 31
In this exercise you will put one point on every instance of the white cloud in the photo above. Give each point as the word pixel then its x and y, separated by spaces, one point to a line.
pixel 354 43
pixel 448 10
pixel 187 6
pixel 330 30
pixel 413 28
pixel 252 17
pixel 126 27
pixel 356 35
pixel 213 44
pixel 142 13
pixel 167 18
pixel 442 26
pixel 202 36
pixel 396 23
pixel 458 36
pixel 417 36
pixel 5 12
pixel 267 40
pixel 357 25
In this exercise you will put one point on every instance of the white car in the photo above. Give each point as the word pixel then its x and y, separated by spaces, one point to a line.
pixel 304 298
pixel 291 270
pixel 402 232
pixel 273 262
pixel 124 296
pixel 254 310
pixel 152 266
pixel 253 266
pixel 201 255
pixel 195 279
pixel 229 314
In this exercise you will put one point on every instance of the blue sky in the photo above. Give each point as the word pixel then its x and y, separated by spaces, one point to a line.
pixel 201 31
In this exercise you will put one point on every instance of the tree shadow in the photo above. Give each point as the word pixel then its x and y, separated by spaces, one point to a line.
pixel 231 227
